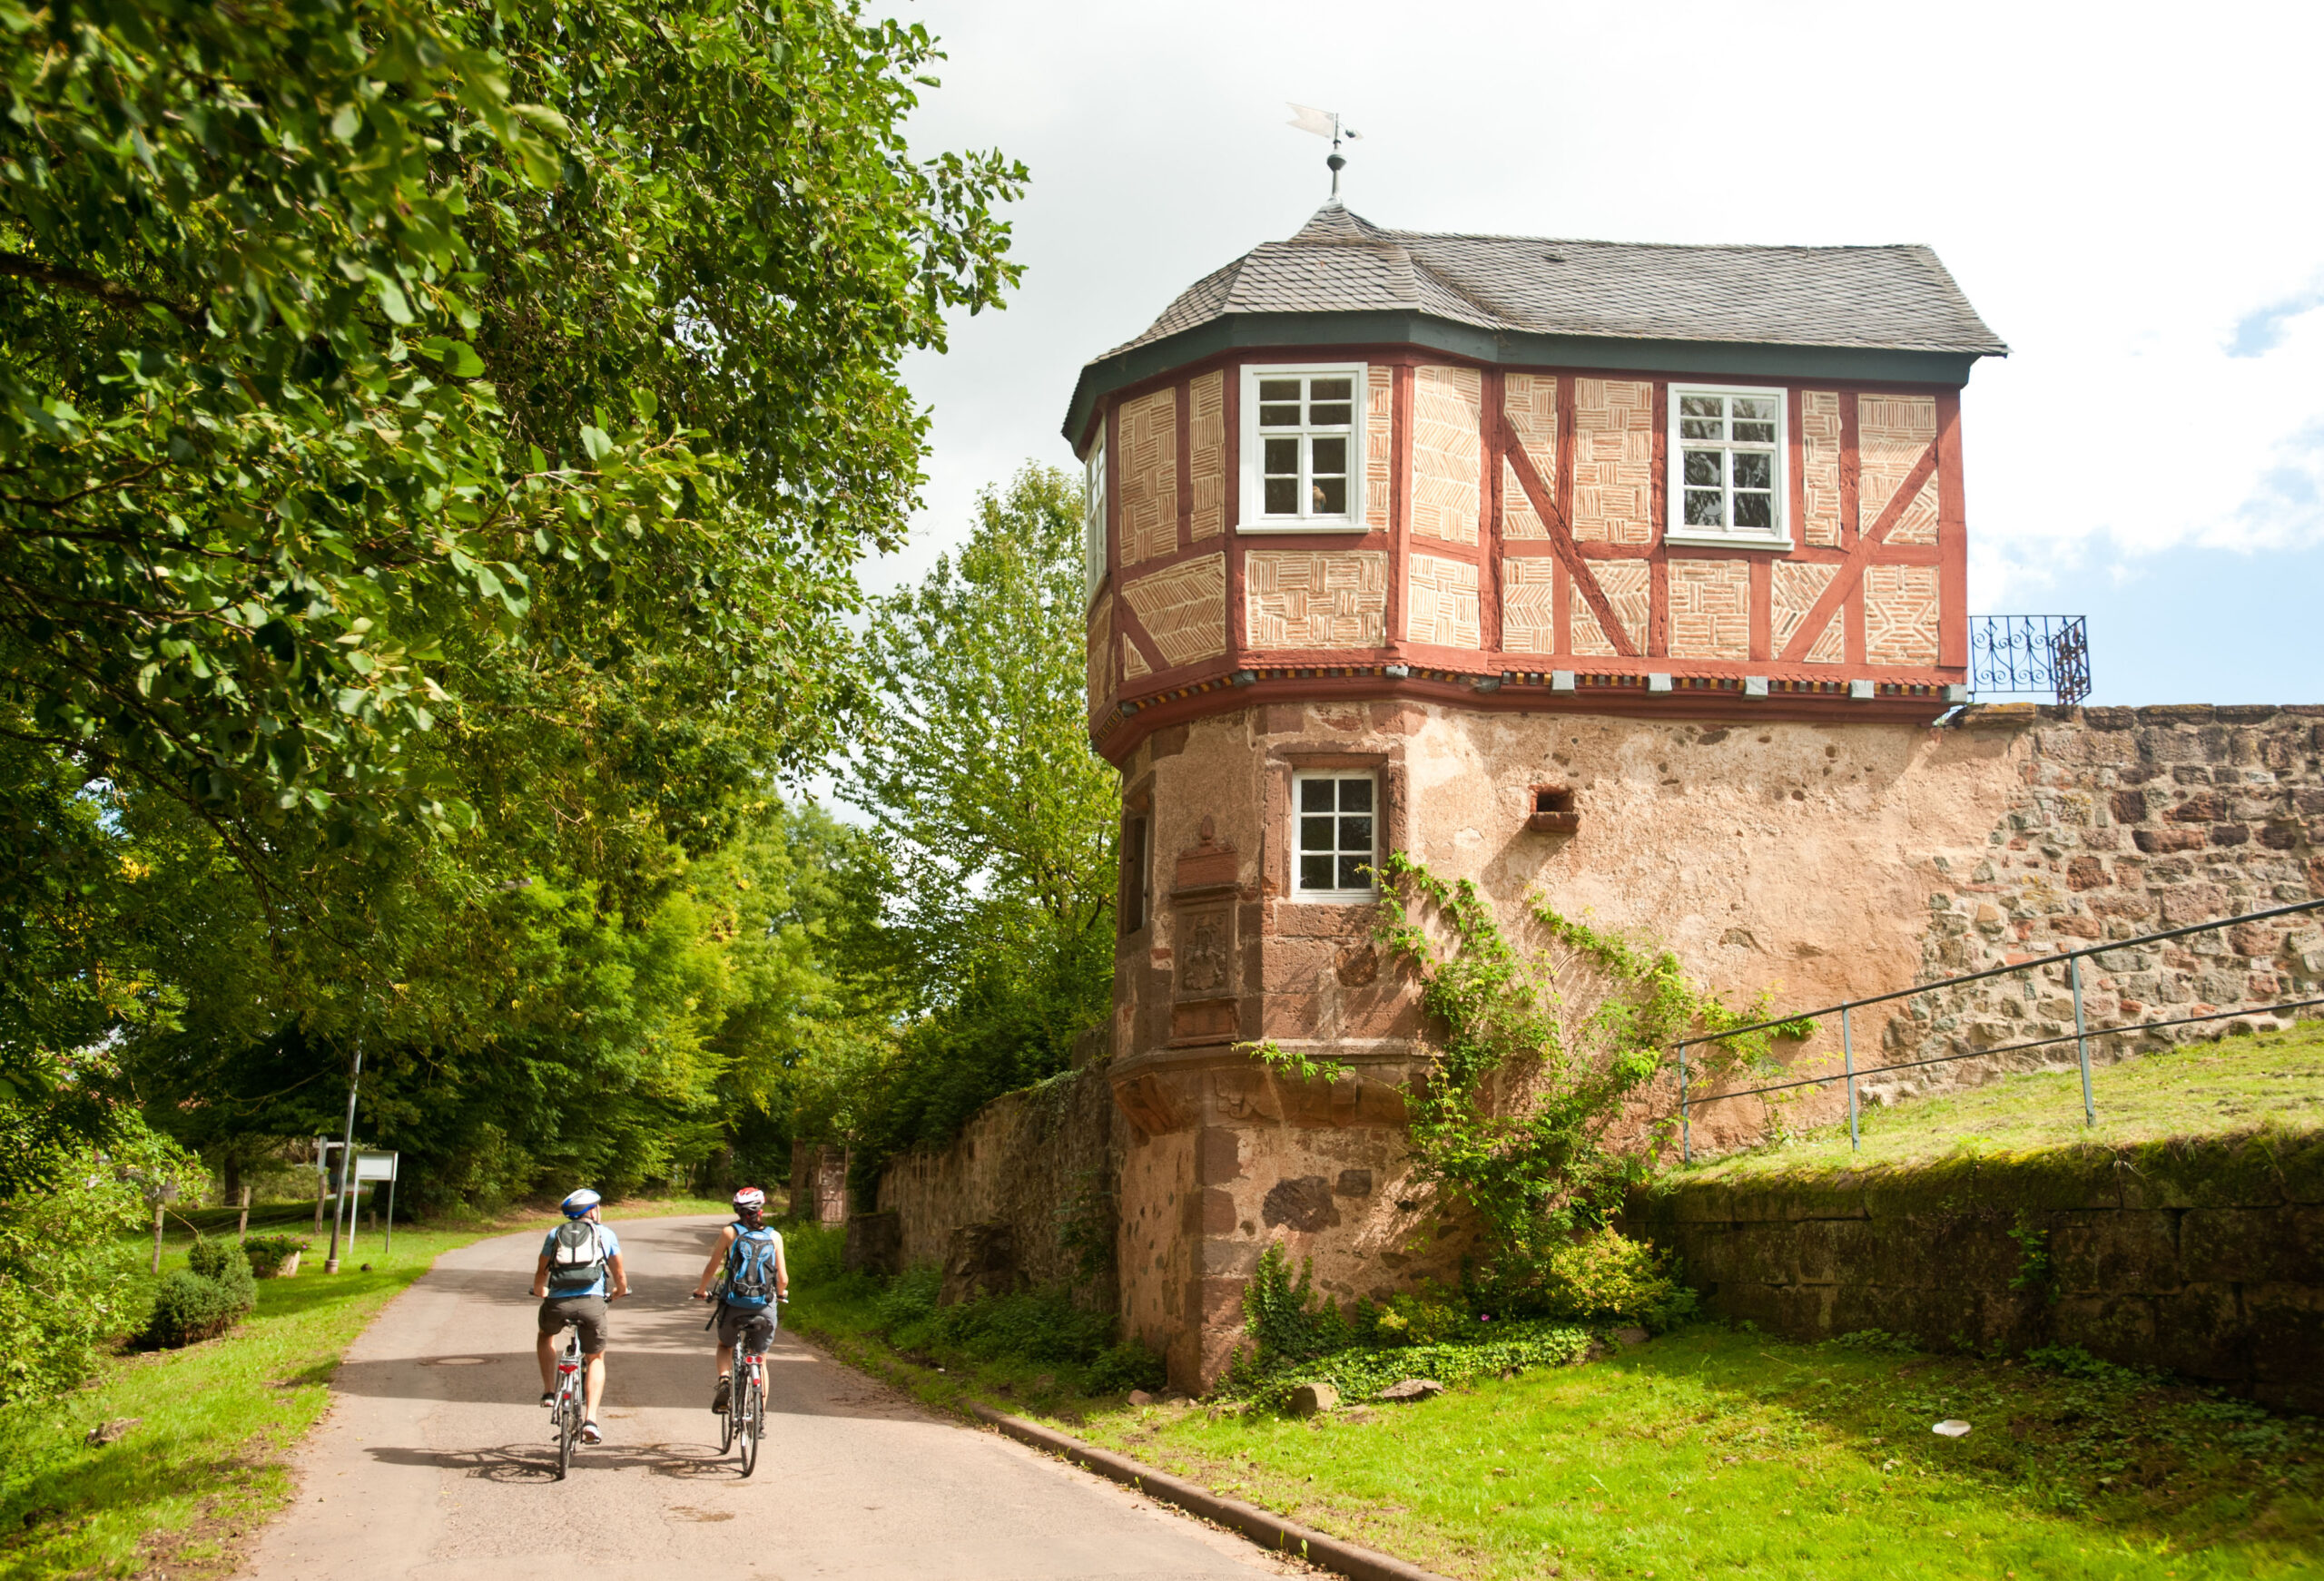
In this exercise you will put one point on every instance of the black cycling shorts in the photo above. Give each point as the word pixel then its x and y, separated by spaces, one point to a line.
pixel 587 1312
pixel 732 1321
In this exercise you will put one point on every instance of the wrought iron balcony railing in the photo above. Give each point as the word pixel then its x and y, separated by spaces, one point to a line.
pixel 2028 654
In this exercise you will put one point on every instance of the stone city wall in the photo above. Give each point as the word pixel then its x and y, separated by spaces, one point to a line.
pixel 1024 1196
pixel 2203 1258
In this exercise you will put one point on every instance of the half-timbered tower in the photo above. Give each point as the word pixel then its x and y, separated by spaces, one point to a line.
pixel 1450 544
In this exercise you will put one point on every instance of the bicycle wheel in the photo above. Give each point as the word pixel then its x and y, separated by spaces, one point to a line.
pixel 747 1429
pixel 569 1430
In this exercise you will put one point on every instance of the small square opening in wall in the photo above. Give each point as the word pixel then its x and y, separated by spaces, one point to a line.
pixel 1554 811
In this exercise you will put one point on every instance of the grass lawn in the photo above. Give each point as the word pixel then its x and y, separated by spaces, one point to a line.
pixel 208 1460
pixel 1717 1452
pixel 2272 1080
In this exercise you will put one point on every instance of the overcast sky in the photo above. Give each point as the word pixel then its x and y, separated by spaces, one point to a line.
pixel 2128 195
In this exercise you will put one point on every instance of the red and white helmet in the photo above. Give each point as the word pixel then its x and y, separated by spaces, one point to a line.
pixel 750 1200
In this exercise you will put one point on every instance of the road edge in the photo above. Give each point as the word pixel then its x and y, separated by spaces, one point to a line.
pixel 1265 1528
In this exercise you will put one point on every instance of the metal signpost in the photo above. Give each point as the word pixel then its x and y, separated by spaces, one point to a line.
pixel 376 1167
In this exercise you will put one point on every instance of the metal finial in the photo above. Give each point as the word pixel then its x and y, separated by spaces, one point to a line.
pixel 1326 124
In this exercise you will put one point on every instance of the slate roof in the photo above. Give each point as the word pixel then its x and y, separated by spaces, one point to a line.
pixel 1889 298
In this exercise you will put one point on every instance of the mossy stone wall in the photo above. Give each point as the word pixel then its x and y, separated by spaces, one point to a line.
pixel 2205 1258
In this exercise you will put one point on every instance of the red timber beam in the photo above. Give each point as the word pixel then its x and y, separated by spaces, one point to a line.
pixel 1851 572
pixel 1568 552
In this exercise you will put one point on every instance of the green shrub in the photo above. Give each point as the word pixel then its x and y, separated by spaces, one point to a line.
pixel 204 1299
pixel 268 1254
pixel 1289 1320
pixel 1430 1315
pixel 1604 1277
pixel 1036 1327
pixel 67 1280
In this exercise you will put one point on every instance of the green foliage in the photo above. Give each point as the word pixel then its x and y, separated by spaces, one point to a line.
pixel 2033 1269
pixel 1037 1327
pixel 1288 1320
pixel 1430 1315
pixel 1873 1340
pixel 67 1280
pixel 268 1254
pixel 365 369
pixel 213 1293
pixel 1605 1277
pixel 1360 1373
pixel 996 816
pixel 1540 1054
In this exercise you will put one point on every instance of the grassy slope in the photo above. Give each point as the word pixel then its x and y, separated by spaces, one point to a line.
pixel 1714 1451
pixel 2271 1080
pixel 208 1461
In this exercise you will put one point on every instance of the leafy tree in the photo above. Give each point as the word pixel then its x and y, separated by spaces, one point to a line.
pixel 367 362
pixel 421 417
pixel 996 816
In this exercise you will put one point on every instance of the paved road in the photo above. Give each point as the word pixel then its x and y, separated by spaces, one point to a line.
pixel 435 1461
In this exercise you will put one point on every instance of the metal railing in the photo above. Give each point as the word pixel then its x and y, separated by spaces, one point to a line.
pixel 2079 1036
pixel 2019 654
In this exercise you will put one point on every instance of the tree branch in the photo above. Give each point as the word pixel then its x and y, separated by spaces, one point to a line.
pixel 113 293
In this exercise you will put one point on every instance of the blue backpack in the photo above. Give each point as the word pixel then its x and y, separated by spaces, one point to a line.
pixel 750 1269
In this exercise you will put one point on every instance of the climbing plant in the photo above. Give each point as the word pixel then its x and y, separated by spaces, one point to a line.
pixel 1541 1051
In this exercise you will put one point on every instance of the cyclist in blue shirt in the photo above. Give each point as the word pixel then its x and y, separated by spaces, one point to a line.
pixel 580 1270
pixel 750 1278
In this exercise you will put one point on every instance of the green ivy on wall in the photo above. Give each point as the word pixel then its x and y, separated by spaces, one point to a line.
pixel 1539 1052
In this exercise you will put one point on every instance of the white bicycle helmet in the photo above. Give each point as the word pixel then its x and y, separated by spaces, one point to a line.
pixel 578 1204
pixel 750 1200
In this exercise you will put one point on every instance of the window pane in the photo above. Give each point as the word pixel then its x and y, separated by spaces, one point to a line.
pixel 1700 428
pixel 1754 433
pixel 1283 458
pixel 1355 834
pixel 1330 390
pixel 1315 834
pixel 1315 872
pixel 1703 508
pixel 1314 795
pixel 1278 416
pixel 1327 457
pixel 1355 873
pixel 1283 497
pixel 1700 405
pixel 1702 467
pixel 1755 510
pixel 1334 417
pixel 1329 498
pixel 1279 389
pixel 1758 409
pixel 1753 469
pixel 1356 795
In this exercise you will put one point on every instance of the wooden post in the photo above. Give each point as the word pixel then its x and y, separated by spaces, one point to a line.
pixel 323 1182
pixel 242 1224
pixel 157 1233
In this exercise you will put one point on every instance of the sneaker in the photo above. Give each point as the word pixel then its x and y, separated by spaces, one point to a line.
pixel 725 1392
pixel 590 1434
pixel 548 1398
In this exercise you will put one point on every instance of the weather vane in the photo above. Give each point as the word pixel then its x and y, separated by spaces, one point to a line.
pixel 1326 124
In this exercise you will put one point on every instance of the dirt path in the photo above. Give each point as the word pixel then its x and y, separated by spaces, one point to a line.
pixel 436 1462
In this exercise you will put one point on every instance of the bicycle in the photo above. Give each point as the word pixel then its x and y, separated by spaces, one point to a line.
pixel 745 1419
pixel 571 1406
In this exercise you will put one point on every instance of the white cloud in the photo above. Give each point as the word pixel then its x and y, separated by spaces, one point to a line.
pixel 2123 193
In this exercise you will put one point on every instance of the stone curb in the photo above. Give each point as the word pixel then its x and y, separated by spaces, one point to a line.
pixel 1261 1527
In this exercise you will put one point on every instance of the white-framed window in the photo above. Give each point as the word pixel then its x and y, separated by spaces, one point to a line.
pixel 1093 516
pixel 1726 467
pixel 1302 448
pixel 1335 838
